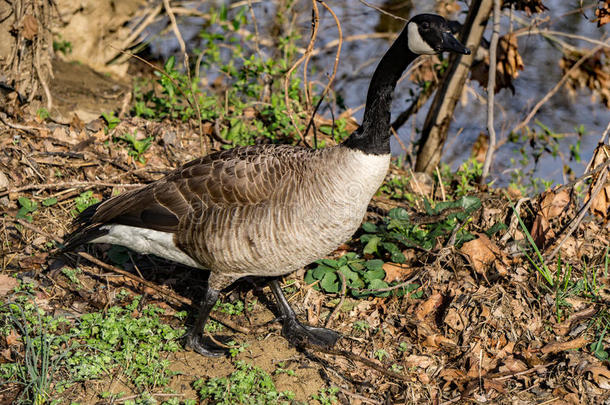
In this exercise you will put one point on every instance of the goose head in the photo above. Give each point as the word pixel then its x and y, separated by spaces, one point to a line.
pixel 430 34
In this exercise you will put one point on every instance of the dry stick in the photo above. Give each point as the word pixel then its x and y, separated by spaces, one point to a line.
pixel 66 184
pixel 256 33
pixel 314 32
pixel 555 89
pixel 601 183
pixel 355 357
pixel 513 221
pixel 602 140
pixel 340 304
pixel 491 91
pixel 400 142
pixel 576 182
pixel 289 110
pixel 551 33
pixel 332 76
pixel 440 182
pixel 202 144
pixel 382 11
pixel 394 287
pixel 172 296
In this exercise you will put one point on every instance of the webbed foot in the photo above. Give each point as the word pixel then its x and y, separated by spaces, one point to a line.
pixel 203 345
pixel 303 335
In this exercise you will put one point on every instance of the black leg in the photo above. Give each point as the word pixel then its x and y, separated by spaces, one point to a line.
pixel 194 338
pixel 297 333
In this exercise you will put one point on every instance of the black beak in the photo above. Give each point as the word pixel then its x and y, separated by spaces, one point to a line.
pixel 450 43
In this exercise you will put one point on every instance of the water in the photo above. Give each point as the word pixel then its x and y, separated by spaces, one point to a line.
pixel 562 113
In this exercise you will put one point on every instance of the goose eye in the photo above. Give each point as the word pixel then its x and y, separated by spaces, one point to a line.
pixel 425 25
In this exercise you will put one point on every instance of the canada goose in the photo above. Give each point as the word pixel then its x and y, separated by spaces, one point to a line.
pixel 266 210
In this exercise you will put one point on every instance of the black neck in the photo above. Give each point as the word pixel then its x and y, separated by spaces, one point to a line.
pixel 373 136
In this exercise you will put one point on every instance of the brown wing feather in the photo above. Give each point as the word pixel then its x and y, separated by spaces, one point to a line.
pixel 236 177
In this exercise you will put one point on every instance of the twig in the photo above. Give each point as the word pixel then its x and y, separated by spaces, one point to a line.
pixel 528 371
pixel 513 221
pixel 4 119
pixel 440 182
pixel 574 183
pixel 554 90
pixel 382 11
pixel 31 227
pixel 202 140
pixel 332 76
pixel 315 19
pixel 491 91
pixel 529 31
pixel 352 356
pixel 66 184
pixel 602 141
pixel 392 288
pixel 601 183
pixel 340 304
pixel 289 109
pixel 400 142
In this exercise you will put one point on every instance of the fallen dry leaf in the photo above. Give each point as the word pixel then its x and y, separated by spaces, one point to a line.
pixel 555 347
pixel 428 306
pixel 481 252
pixel 454 320
pixel 553 203
pixel 542 232
pixel 601 203
pixel 396 272
pixel 12 338
pixel 435 341
pixel 512 365
pixel 419 361
pixel 7 284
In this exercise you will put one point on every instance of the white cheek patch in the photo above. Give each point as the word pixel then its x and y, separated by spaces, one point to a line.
pixel 416 43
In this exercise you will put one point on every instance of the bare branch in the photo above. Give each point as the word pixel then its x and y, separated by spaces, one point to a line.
pixel 491 91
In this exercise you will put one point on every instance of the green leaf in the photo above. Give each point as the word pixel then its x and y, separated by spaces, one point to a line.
pixel 352 279
pixel 49 201
pixel 371 246
pixel 377 284
pixel 330 263
pixel 374 264
pixel 320 271
pixel 330 282
pixel 309 278
pixel 369 227
pixel 377 274
pixel 169 64
pixel 399 213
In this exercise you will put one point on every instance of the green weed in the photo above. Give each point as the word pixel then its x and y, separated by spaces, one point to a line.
pixel 327 396
pixel 251 104
pixel 125 340
pixel 83 201
pixel 248 384
pixel 27 208
pixel 136 147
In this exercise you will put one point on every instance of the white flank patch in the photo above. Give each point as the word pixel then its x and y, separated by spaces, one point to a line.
pixel 146 241
pixel 416 42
